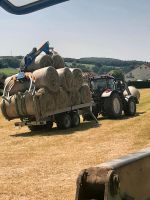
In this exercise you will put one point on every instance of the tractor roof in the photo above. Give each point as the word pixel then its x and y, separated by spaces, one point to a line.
pixel 102 77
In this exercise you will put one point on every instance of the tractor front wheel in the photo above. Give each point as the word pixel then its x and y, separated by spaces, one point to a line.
pixel 130 108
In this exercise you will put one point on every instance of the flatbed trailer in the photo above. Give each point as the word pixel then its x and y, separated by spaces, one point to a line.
pixel 64 118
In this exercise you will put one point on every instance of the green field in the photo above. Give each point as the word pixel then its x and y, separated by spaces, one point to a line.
pixel 8 71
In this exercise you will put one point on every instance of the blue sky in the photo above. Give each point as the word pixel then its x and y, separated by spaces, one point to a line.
pixel 81 28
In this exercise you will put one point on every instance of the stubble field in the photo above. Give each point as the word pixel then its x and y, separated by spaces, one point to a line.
pixel 45 165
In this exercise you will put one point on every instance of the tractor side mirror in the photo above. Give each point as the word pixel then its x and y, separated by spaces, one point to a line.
pixel 20 7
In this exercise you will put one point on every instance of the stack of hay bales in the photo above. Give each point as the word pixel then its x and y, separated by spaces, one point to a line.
pixel 53 59
pixel 55 89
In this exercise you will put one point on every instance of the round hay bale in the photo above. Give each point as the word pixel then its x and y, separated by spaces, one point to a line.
pixel 15 86
pixel 134 91
pixel 85 94
pixel 62 99
pixel 75 97
pixel 58 61
pixel 77 78
pixel 28 105
pixel 46 102
pixel 66 78
pixel 9 109
pixel 47 77
pixel 40 61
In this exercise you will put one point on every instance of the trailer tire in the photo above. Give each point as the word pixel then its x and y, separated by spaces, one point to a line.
pixel 113 106
pixel 130 108
pixel 63 121
pixel 36 128
pixel 75 119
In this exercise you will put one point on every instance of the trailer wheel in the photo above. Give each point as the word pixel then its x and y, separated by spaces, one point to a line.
pixel 75 118
pixel 113 106
pixel 130 108
pixel 63 121
pixel 45 127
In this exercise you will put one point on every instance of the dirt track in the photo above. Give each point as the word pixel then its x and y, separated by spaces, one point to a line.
pixel 45 165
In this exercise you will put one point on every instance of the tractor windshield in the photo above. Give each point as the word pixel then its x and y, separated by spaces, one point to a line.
pixel 98 84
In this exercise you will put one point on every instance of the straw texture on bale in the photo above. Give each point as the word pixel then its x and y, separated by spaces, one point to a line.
pixel 15 86
pixel 134 91
pixel 28 104
pixel 85 94
pixel 62 99
pixel 9 109
pixel 75 97
pixel 77 78
pixel 46 102
pixel 58 61
pixel 40 62
pixel 47 77
pixel 19 106
pixel 66 78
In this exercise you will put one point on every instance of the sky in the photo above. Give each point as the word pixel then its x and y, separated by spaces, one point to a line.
pixel 81 28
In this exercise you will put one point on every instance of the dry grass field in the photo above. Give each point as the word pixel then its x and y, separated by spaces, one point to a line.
pixel 45 165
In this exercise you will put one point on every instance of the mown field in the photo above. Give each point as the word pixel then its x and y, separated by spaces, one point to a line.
pixel 45 165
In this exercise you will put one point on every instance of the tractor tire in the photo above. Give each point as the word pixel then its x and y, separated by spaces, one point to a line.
pixel 130 108
pixel 75 119
pixel 113 106
pixel 64 121
pixel 37 128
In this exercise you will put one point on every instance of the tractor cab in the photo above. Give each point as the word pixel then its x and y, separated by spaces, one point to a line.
pixel 106 83
pixel 101 84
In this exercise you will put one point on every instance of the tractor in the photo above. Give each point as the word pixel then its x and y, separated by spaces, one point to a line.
pixel 109 99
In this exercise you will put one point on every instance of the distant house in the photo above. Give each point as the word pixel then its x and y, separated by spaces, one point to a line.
pixel 141 73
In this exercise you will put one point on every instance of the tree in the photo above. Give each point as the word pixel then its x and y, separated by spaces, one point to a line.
pixel 118 74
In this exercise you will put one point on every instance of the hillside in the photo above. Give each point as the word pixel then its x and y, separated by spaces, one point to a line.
pixel 94 64
pixel 102 65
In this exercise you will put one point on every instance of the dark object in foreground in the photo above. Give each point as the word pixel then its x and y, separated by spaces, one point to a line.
pixel 127 178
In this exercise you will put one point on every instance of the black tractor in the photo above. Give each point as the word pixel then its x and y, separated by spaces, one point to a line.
pixel 109 99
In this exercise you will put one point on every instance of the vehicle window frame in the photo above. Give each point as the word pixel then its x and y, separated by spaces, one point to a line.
pixel 32 7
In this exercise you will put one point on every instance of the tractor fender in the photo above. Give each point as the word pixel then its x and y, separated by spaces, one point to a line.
pixel 108 93
pixel 128 97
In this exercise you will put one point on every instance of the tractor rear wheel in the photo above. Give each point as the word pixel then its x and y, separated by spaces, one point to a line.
pixel 113 106
pixel 130 108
